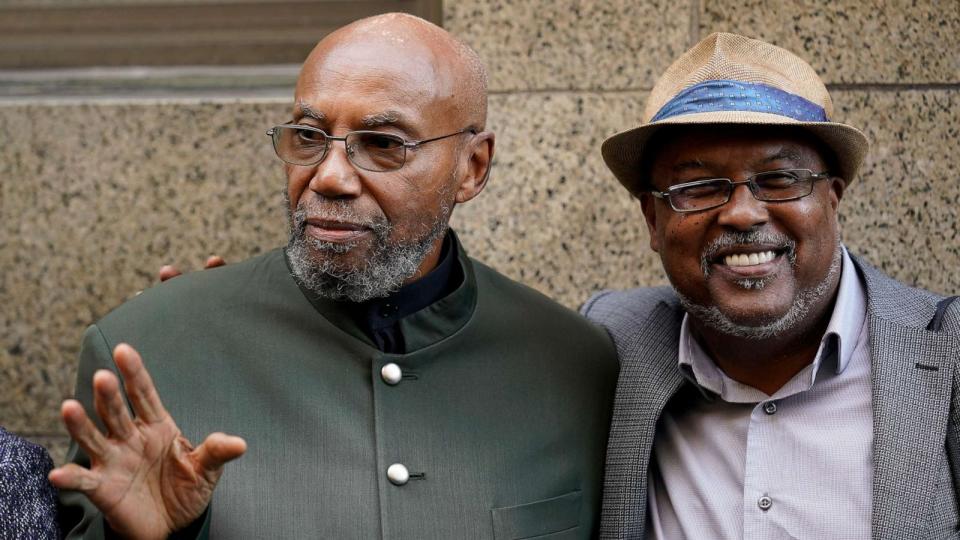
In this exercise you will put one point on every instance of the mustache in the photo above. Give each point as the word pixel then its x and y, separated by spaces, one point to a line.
pixel 729 239
pixel 338 210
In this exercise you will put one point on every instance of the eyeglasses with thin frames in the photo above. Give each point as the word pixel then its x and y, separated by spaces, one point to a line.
pixel 369 150
pixel 771 186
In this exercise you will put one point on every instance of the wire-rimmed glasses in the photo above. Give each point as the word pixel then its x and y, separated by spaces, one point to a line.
pixel 775 186
pixel 369 150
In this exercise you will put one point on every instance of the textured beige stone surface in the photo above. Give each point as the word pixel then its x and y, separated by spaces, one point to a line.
pixel 95 199
pixel 552 216
pixel 98 197
pixel 904 214
pixel 571 44
pixel 852 41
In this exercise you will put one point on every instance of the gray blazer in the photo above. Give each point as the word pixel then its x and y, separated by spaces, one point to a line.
pixel 916 443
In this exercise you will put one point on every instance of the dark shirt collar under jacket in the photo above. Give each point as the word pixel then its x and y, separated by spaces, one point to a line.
pixel 418 314
pixel 380 317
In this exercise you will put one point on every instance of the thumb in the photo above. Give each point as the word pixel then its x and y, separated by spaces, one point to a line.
pixel 218 449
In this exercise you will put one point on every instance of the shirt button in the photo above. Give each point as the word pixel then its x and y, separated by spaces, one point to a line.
pixel 764 503
pixel 388 310
pixel 770 407
pixel 391 374
pixel 398 474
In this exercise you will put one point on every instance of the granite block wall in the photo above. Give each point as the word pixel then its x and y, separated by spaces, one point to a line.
pixel 96 195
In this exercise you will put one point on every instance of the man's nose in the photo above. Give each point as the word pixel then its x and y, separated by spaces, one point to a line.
pixel 335 176
pixel 743 211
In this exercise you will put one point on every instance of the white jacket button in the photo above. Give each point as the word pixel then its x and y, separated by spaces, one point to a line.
pixel 398 474
pixel 391 374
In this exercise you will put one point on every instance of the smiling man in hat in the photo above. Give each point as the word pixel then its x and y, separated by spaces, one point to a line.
pixel 782 387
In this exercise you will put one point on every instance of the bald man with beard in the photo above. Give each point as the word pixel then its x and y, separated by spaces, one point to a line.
pixel 377 382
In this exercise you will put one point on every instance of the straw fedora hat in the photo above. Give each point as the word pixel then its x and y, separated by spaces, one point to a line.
pixel 731 79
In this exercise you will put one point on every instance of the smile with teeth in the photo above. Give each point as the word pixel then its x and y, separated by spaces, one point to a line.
pixel 749 259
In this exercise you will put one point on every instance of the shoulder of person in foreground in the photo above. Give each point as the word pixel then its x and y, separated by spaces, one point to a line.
pixel 524 305
pixel 897 302
pixel 206 291
pixel 610 306
pixel 27 500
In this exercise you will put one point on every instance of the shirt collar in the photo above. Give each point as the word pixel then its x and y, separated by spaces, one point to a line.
pixel 849 314
pixel 432 323
pixel 412 297
pixel 846 322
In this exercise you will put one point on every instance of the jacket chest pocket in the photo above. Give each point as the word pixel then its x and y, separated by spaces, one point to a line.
pixel 557 518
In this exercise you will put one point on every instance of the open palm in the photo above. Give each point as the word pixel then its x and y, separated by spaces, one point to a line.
pixel 144 475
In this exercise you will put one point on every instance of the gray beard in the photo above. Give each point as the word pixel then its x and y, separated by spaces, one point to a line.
pixel 712 317
pixel 313 262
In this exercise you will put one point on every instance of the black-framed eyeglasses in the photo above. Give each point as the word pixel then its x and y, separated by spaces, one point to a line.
pixel 774 186
pixel 369 150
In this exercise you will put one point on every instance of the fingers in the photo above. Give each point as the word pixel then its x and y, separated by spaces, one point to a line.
pixel 82 430
pixel 143 395
pixel 214 261
pixel 73 476
pixel 218 449
pixel 110 406
pixel 168 271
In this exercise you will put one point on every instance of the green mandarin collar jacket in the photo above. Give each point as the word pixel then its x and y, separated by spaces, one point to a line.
pixel 499 414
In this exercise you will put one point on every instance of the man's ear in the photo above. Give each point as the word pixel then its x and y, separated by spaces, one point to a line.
pixel 837 187
pixel 478 162
pixel 648 205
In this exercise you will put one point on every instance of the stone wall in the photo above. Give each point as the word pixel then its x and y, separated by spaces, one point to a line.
pixel 96 195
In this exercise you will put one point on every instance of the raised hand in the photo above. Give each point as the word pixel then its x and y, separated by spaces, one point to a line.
pixel 169 271
pixel 144 475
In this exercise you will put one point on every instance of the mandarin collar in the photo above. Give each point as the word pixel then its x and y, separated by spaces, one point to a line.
pixel 383 312
pixel 425 319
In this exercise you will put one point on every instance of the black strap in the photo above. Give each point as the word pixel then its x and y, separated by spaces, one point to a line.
pixel 937 322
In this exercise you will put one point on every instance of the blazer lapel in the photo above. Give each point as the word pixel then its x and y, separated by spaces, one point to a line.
pixel 912 380
pixel 649 377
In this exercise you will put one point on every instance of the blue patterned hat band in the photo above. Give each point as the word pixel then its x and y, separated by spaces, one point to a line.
pixel 730 95
pixel 728 79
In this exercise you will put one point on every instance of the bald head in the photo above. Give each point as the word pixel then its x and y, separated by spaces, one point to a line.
pixel 402 78
pixel 424 59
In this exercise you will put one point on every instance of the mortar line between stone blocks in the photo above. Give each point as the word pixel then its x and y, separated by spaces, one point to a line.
pixel 567 91
pixel 122 99
pixel 883 87
pixel 892 87
pixel 694 37
pixel 194 97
